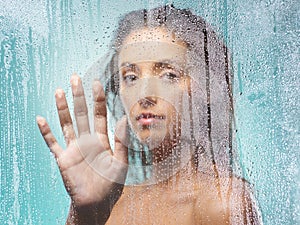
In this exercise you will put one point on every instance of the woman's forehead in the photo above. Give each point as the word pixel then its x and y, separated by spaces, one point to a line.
pixel 153 51
pixel 152 44
pixel 152 34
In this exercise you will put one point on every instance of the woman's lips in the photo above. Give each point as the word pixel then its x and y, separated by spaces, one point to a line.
pixel 146 119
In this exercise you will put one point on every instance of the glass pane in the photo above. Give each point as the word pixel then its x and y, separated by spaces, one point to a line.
pixel 211 97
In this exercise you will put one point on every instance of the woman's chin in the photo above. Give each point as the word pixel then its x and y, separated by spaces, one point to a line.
pixel 153 135
pixel 151 139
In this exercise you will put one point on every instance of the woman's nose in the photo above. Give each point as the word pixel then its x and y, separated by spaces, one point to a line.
pixel 147 102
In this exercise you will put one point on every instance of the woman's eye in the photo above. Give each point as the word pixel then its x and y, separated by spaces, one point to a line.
pixel 171 76
pixel 130 77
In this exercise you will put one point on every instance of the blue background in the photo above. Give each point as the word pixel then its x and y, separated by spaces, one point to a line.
pixel 44 42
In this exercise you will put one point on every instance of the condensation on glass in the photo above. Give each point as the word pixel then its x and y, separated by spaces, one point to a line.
pixel 239 117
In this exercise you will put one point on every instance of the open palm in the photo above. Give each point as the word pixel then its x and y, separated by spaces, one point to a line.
pixel 93 174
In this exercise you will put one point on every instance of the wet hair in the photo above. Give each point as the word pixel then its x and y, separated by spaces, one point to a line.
pixel 209 64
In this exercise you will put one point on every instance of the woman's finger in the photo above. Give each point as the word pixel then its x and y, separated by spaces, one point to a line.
pixel 100 122
pixel 121 141
pixel 64 116
pixel 80 107
pixel 48 136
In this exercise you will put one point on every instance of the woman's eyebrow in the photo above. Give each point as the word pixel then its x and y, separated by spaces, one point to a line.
pixel 163 65
pixel 167 64
pixel 132 66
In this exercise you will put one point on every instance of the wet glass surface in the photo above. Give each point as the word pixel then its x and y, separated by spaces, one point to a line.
pixel 44 42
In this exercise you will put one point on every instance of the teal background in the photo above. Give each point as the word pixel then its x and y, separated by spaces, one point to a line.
pixel 44 41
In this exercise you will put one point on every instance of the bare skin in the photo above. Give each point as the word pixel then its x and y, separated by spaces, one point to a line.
pixel 187 198
pixel 80 163
pixel 94 175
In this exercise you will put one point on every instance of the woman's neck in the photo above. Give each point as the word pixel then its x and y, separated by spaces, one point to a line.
pixel 170 161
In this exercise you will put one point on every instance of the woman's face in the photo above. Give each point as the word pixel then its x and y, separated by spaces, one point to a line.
pixel 153 81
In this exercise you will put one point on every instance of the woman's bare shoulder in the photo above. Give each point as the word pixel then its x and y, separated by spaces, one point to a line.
pixel 231 196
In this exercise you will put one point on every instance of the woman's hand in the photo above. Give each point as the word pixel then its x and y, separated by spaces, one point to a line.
pixel 92 173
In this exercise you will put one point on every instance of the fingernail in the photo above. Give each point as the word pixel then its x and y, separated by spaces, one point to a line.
pixel 75 80
pixel 40 120
pixel 59 93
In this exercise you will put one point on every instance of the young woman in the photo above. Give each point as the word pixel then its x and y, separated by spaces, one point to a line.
pixel 168 84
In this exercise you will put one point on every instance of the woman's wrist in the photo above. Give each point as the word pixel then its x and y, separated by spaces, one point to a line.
pixel 91 215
